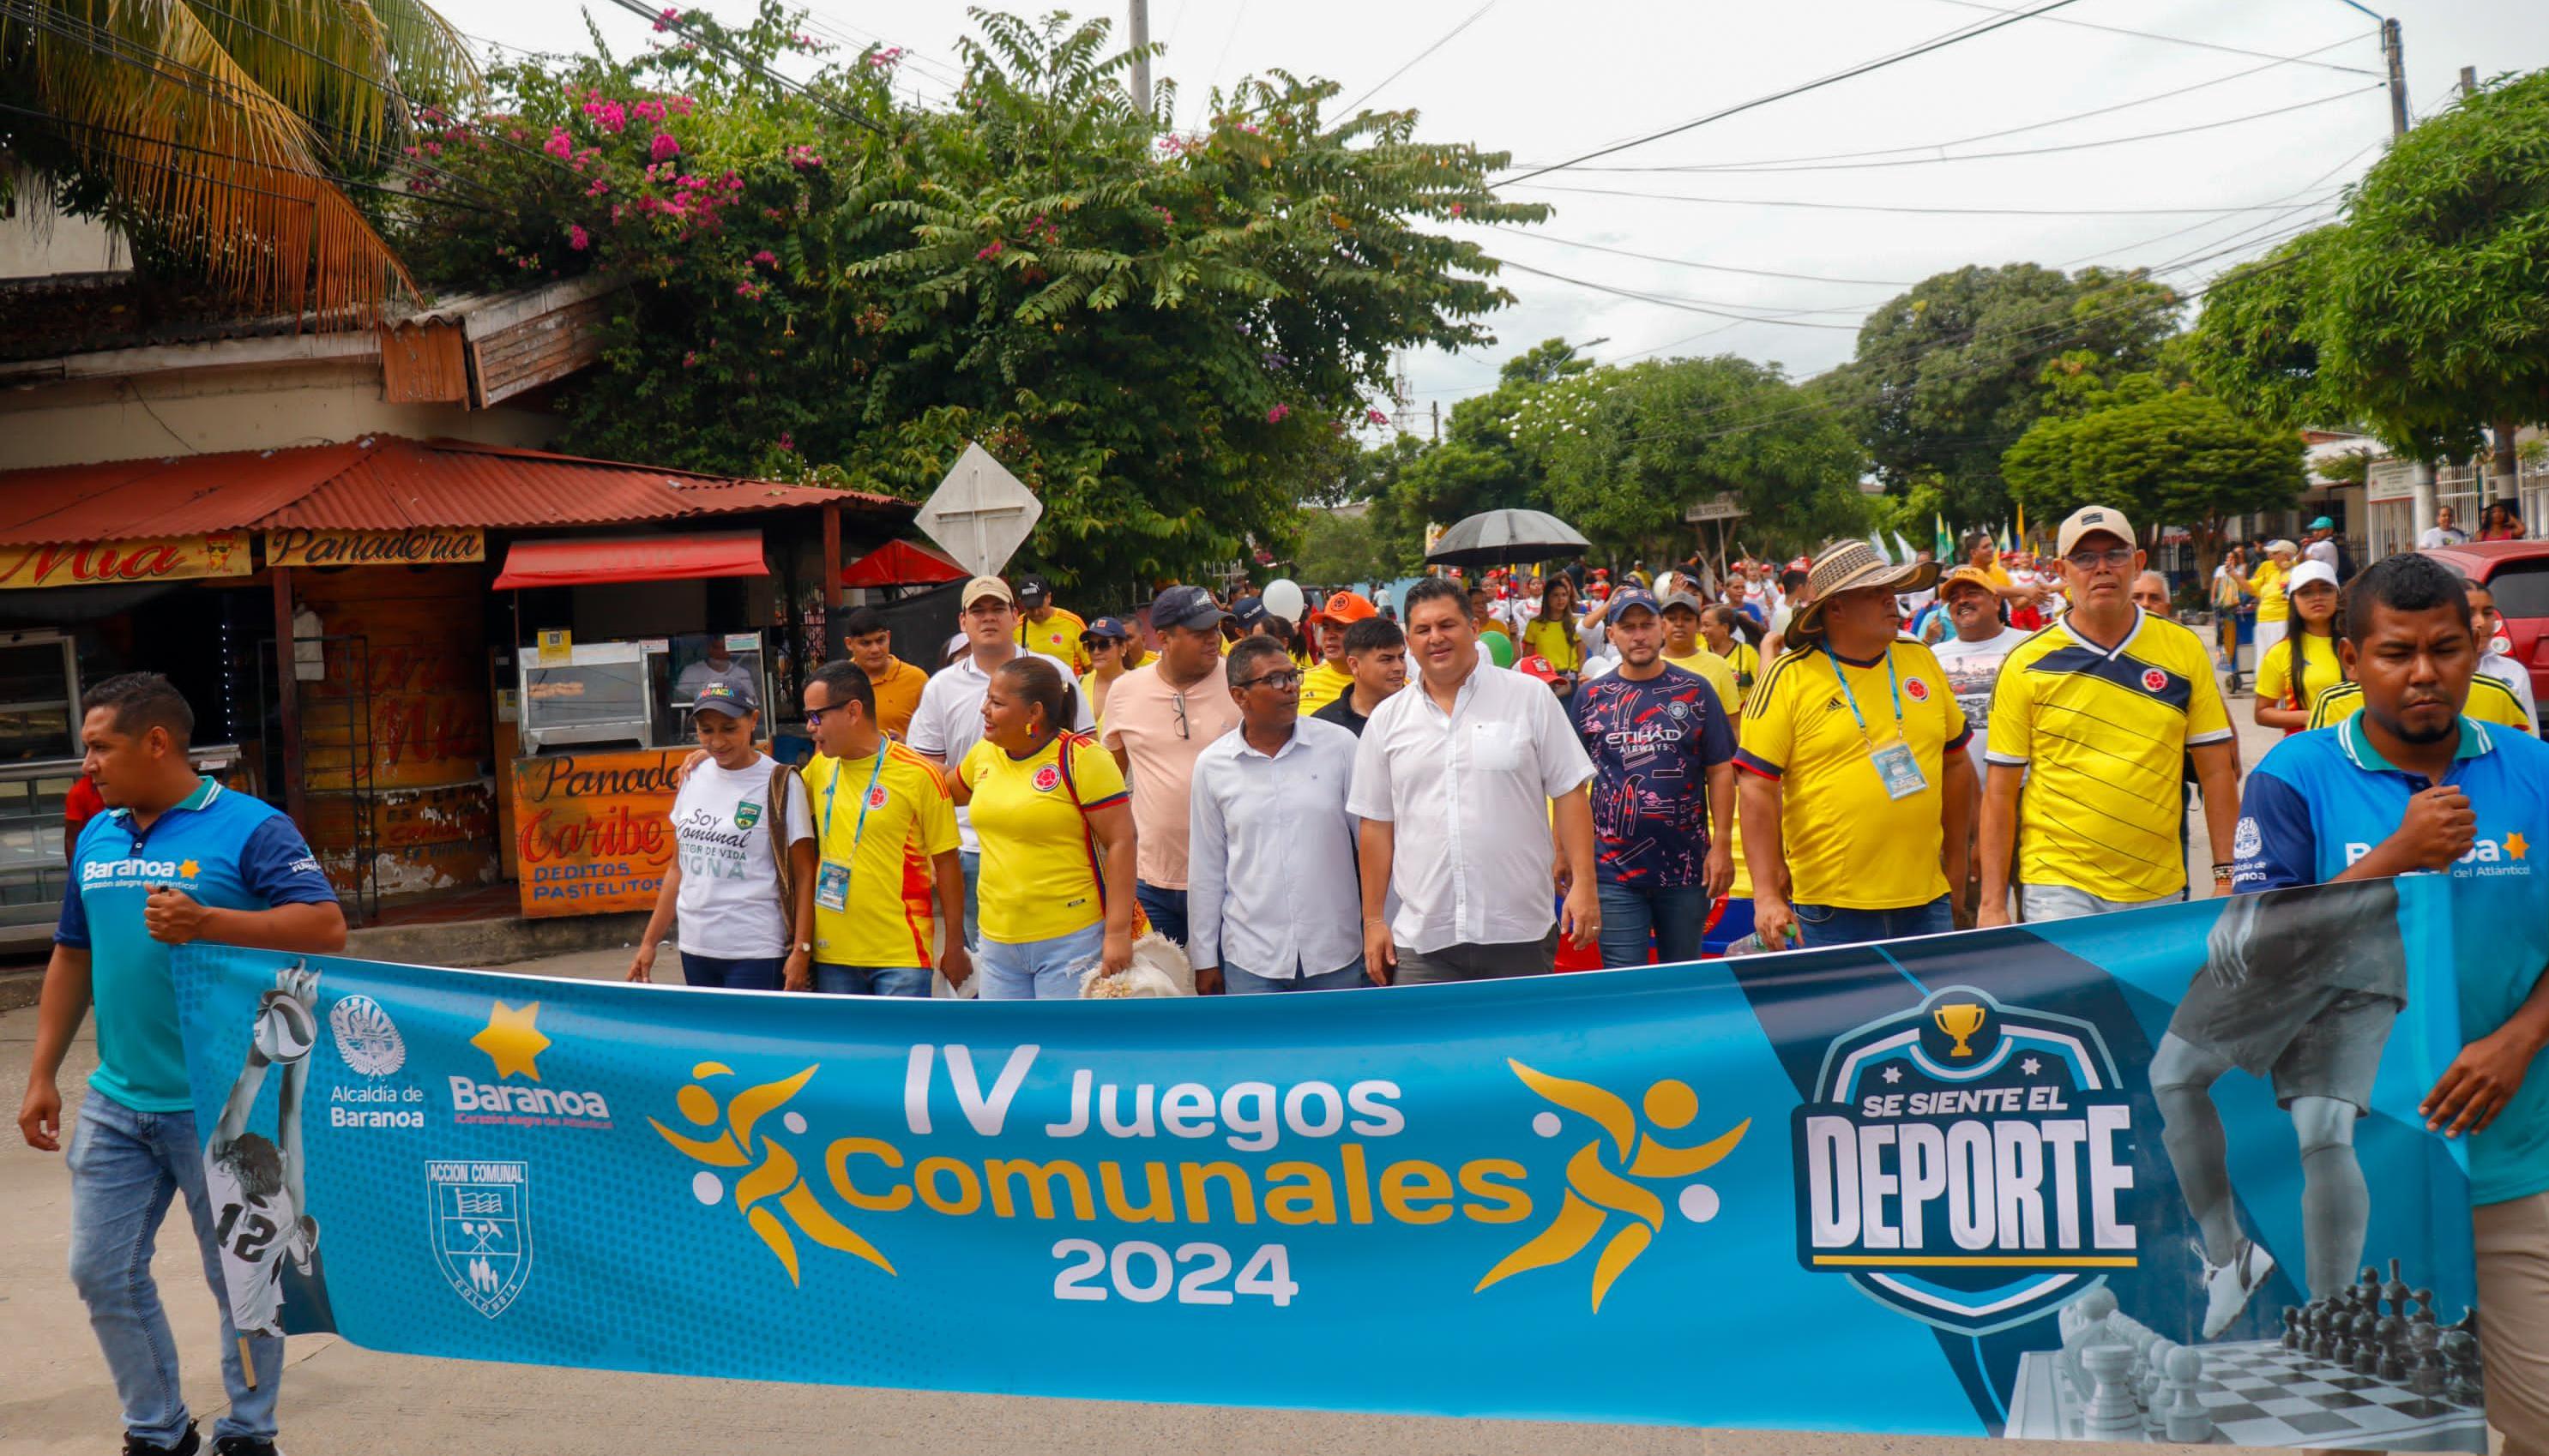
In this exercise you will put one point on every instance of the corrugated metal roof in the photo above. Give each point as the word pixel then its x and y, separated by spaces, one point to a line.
pixel 379 483
pixel 177 496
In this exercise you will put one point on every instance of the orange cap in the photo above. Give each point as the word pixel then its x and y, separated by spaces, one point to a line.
pixel 1346 608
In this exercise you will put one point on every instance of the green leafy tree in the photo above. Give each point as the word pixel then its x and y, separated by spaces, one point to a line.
pixel 1478 466
pixel 1162 337
pixel 2425 312
pixel 1947 374
pixel 2162 452
pixel 1626 451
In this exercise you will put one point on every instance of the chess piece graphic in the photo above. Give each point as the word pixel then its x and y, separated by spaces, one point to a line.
pixel 2188 1424
pixel 2110 1416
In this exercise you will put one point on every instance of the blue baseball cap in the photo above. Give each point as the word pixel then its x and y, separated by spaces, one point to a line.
pixel 1247 611
pixel 2322 524
pixel 1110 628
pixel 1185 606
pixel 1629 596
pixel 720 697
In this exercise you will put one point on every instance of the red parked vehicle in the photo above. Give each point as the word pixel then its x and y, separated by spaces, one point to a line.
pixel 2517 572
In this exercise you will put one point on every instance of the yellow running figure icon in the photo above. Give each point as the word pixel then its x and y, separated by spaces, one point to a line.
pixel 776 1179
pixel 1594 1192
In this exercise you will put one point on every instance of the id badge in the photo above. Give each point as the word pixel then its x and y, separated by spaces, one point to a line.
pixel 832 886
pixel 1898 769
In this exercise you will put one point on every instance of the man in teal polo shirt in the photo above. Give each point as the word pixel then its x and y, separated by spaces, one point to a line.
pixel 176 858
pixel 2411 786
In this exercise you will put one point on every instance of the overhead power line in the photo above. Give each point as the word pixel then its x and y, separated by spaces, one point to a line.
pixel 1870 207
pixel 1880 62
pixel 2087 25
pixel 1445 39
pixel 681 26
pixel 1980 156
pixel 1520 232
pixel 1687 306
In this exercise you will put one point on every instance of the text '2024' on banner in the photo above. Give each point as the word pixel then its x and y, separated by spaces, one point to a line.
pixel 1685 1194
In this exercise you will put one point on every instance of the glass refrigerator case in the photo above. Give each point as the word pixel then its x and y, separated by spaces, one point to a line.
pixel 634 694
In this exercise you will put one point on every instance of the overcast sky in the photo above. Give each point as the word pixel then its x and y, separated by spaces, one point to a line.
pixel 1552 79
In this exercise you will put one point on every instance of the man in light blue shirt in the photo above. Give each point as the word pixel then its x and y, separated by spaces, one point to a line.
pixel 2411 786
pixel 177 858
pixel 1269 848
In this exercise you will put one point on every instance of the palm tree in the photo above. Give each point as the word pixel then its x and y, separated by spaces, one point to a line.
pixel 226 133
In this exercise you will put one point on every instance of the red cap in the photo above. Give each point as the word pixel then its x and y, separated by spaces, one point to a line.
pixel 1537 667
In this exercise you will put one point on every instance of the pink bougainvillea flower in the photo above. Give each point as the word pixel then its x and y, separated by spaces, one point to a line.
pixel 558 144
pixel 691 360
pixel 788 441
pixel 767 257
pixel 664 149
pixel 578 239
pixel 1457 209
pixel 665 21
pixel 746 291
pixel 1375 417
pixel 1278 415
pixel 990 251
pixel 652 111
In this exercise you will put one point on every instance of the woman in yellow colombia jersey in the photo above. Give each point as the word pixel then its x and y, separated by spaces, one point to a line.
pixel 2293 673
pixel 1048 807
pixel 1551 634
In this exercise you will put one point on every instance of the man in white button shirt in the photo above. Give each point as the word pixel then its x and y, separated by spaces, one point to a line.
pixel 949 720
pixel 1269 846
pixel 1467 763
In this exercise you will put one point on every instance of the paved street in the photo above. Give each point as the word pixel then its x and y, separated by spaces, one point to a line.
pixel 57 1398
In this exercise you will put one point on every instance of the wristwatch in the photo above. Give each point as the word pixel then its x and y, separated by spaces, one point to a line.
pixel 804 947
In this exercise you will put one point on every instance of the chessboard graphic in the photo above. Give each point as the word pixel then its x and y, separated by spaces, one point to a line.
pixel 2367 1369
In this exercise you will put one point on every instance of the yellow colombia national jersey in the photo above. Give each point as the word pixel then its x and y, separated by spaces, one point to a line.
pixel 893 905
pixel 2273 606
pixel 1039 878
pixel 2320 671
pixel 2103 733
pixel 1746 660
pixel 1322 686
pixel 1716 671
pixel 1847 843
pixel 2489 701
pixel 1057 637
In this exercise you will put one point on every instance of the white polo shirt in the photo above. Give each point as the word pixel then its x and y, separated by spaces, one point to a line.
pixel 949 720
pixel 1271 854
pixel 1468 795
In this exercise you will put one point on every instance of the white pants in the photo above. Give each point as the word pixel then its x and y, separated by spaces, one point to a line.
pixel 2268 634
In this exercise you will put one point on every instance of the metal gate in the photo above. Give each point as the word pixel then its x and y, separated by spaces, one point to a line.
pixel 340 803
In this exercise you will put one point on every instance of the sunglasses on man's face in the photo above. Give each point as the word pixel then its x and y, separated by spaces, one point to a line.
pixel 1278 681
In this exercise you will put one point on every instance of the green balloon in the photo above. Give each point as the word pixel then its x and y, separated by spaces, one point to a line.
pixel 1500 648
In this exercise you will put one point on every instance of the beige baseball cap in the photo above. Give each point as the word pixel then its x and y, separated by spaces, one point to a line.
pixel 2089 519
pixel 982 586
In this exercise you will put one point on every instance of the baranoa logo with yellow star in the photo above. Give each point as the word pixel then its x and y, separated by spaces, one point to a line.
pixel 514 1042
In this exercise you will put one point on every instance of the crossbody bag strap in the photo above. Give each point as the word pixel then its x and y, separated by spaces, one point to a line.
pixel 1087 834
pixel 780 778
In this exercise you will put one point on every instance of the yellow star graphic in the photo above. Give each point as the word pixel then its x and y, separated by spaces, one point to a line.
pixel 512 1039
pixel 2515 845
pixel 189 869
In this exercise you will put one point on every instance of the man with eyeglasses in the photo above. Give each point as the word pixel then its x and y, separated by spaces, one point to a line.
pixel 1159 718
pixel 1270 848
pixel 2092 722
pixel 949 721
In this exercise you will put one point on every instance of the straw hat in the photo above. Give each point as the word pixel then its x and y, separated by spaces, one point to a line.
pixel 1846 566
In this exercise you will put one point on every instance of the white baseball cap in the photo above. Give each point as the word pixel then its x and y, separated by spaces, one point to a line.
pixel 2312 570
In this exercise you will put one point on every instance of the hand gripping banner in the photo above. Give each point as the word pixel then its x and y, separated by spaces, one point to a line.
pixel 2152 1175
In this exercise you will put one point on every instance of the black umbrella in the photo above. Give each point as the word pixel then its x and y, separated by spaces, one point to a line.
pixel 1500 537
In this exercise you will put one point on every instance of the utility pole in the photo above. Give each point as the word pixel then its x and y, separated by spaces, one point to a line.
pixel 2391 54
pixel 1141 27
pixel 1438 422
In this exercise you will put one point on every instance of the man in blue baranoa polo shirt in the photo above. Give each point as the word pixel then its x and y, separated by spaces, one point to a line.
pixel 176 859
pixel 2411 786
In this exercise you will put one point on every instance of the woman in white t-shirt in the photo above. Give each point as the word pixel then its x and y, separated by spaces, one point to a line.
pixel 747 912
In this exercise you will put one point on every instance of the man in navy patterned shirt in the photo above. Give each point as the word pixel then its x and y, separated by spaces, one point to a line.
pixel 1664 791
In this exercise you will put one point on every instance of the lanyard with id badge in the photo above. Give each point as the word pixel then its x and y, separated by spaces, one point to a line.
pixel 832 878
pixel 1896 767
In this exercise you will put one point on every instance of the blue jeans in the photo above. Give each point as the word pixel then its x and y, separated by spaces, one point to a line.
pixel 872 980
pixel 1249 983
pixel 125 1168
pixel 1667 917
pixel 973 865
pixel 1166 909
pixel 1818 926
pixel 1039 970
pixel 747 974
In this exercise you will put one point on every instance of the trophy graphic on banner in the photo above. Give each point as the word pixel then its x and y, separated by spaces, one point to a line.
pixel 1960 1021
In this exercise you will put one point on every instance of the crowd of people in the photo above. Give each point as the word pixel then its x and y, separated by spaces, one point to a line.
pixel 1835 750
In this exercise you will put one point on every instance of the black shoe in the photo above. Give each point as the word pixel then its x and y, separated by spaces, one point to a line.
pixel 187 1444
pixel 243 1446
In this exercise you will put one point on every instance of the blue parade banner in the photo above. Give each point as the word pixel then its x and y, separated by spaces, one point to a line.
pixel 1922 1187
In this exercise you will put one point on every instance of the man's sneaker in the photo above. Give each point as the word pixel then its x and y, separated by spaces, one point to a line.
pixel 2228 1286
pixel 242 1446
pixel 187 1445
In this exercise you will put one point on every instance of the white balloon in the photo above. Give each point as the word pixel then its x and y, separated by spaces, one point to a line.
pixel 1283 599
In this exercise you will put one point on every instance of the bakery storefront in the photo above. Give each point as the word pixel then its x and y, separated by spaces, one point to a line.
pixel 454 663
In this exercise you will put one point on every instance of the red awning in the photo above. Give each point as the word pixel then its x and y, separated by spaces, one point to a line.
pixel 900 563
pixel 592 559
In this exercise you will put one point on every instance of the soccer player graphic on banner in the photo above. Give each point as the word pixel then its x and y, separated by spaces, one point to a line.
pixel 2302 987
pixel 260 1211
